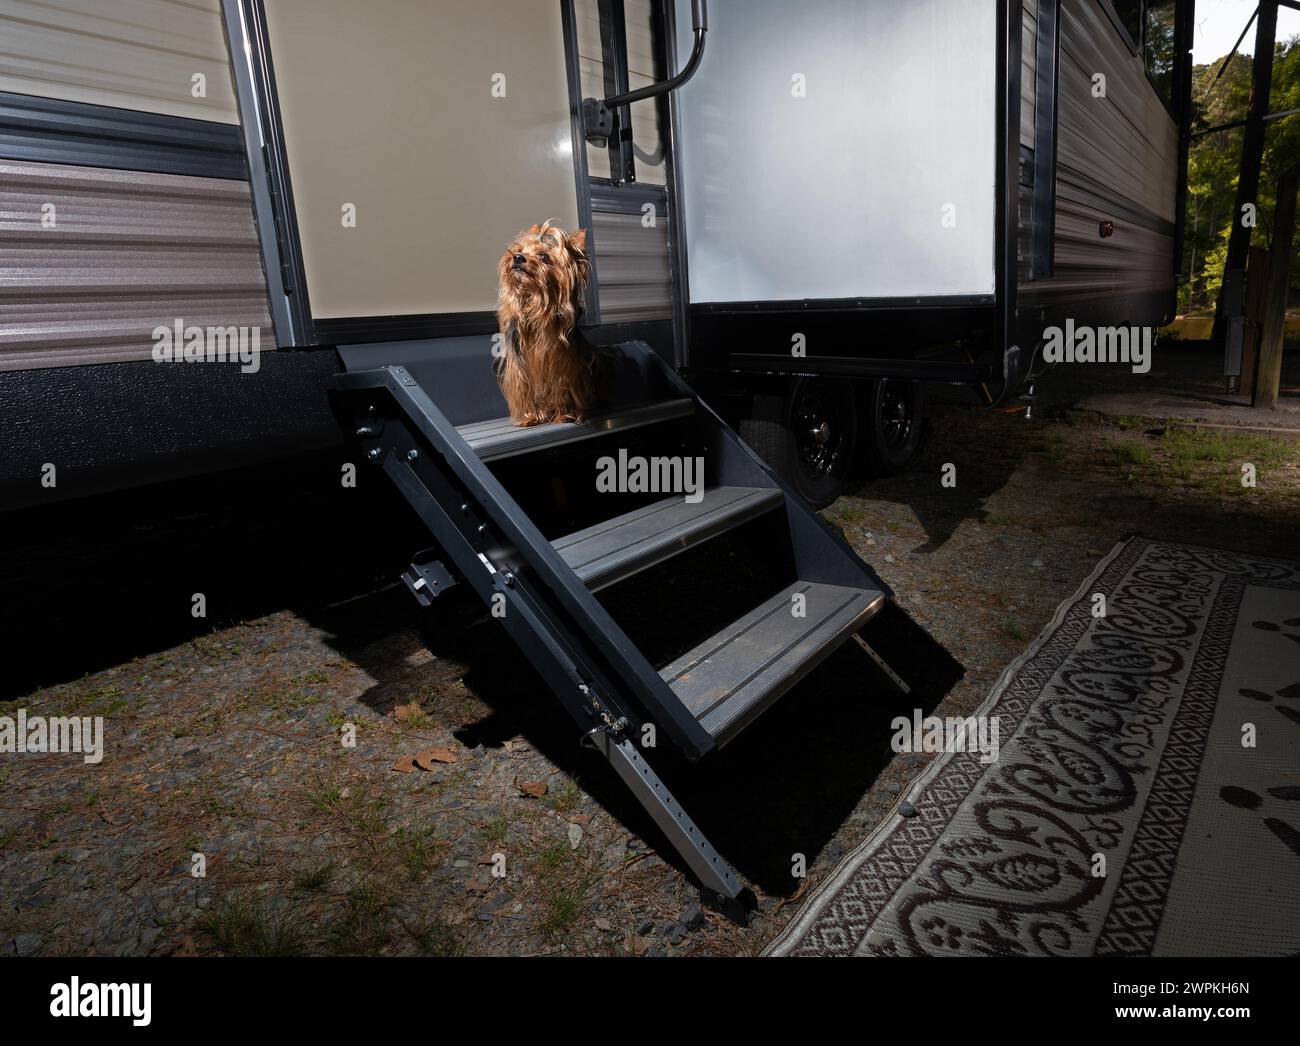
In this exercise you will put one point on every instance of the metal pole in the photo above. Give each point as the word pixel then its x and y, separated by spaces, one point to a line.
pixel 1230 313
pixel 1269 367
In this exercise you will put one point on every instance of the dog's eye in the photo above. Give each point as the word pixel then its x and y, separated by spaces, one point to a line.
pixel 544 257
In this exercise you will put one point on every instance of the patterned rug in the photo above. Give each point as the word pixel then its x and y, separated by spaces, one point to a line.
pixel 1146 797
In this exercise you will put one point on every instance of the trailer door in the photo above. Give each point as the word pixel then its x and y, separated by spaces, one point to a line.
pixel 841 149
pixel 395 147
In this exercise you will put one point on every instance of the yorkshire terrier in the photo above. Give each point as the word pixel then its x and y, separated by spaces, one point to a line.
pixel 547 370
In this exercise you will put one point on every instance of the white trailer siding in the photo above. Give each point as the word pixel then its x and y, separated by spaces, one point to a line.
pixel 841 150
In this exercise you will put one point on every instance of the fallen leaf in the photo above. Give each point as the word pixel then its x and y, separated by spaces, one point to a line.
pixel 187 947
pixel 430 756
pixel 536 789
pixel 474 886
pixel 405 765
pixel 604 924
pixel 403 713
pixel 580 819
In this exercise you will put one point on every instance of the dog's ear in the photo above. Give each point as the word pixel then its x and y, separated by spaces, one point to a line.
pixel 578 240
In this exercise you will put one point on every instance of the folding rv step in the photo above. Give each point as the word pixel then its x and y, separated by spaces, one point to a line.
pixel 620 547
pixel 729 679
pixel 502 438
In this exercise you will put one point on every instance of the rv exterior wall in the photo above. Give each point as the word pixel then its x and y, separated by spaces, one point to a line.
pixel 131 251
pixel 841 149
pixel 445 125
pixel 1117 161
pixel 129 54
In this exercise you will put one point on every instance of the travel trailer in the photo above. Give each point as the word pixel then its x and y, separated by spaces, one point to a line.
pixel 230 228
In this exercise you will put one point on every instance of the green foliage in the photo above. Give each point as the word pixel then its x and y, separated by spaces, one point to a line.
pixel 1213 167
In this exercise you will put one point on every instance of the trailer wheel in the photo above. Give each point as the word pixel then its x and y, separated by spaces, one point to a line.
pixel 895 411
pixel 807 434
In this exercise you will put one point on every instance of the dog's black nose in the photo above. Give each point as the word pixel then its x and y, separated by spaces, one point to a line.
pixel 519 261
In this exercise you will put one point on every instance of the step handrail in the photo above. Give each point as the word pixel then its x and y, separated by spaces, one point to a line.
pixel 598 114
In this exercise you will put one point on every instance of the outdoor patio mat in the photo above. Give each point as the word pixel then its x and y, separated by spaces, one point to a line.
pixel 1146 798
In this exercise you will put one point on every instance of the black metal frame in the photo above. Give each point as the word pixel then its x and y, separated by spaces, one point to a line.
pixel 1185 27
pixel 1047 83
pixel 581 175
pixel 677 252
pixel 51 130
pixel 613 42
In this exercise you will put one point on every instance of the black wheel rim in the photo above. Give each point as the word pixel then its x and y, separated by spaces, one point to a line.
pixel 897 413
pixel 819 430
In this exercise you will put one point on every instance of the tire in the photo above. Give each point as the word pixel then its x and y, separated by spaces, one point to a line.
pixel 894 412
pixel 807 434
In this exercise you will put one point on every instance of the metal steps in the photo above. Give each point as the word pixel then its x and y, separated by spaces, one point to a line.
pixel 492 530
pixel 733 676
pixel 608 552
pixel 501 438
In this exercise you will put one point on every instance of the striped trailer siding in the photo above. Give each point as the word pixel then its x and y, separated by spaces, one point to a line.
pixel 631 259
pixel 129 54
pixel 1117 161
pixel 127 252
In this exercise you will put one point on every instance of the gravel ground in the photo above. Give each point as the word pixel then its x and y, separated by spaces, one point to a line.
pixel 225 735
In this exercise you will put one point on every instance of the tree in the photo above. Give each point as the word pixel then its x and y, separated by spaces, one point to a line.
pixel 1213 162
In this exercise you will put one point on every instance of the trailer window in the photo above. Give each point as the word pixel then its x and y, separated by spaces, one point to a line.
pixel 1158 49
pixel 1130 17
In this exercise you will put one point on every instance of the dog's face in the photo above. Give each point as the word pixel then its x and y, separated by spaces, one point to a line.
pixel 545 265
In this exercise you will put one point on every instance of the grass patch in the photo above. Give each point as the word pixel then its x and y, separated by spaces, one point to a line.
pixel 562 907
pixel 247 927
pixel 1188 447
pixel 1131 452
pixel 361 929
pixel 315 879
pixel 566 798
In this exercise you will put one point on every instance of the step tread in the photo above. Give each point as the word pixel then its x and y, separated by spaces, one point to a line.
pixel 617 548
pixel 502 438
pixel 731 677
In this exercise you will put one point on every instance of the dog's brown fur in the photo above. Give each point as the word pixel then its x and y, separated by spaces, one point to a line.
pixel 547 369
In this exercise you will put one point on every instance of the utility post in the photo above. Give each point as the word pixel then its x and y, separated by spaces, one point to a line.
pixel 1269 368
pixel 1230 315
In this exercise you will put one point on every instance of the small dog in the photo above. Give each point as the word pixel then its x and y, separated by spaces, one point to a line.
pixel 547 370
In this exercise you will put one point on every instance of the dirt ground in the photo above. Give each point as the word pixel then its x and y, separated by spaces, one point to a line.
pixel 224 734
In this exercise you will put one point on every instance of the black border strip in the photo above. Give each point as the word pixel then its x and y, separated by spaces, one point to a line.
pixel 358 330
pixel 53 130
pixel 837 305
pixel 1047 76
